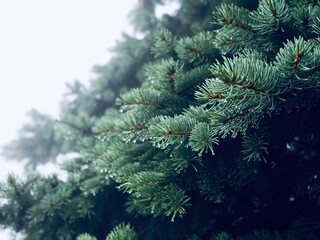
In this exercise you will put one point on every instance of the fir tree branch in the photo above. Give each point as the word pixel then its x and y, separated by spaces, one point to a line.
pixel 140 103
pixel 234 17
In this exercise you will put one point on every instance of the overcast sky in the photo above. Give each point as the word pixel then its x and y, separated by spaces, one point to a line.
pixel 43 45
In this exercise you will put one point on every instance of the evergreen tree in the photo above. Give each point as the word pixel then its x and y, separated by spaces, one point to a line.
pixel 82 104
pixel 39 141
pixel 221 141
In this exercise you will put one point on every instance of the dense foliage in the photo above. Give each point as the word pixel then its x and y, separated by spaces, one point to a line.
pixel 220 141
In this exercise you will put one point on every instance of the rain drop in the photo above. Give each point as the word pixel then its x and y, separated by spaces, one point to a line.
pixel 290 147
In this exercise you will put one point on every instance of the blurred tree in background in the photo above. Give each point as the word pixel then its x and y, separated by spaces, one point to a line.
pixel 215 133
pixel 38 141
pixel 81 105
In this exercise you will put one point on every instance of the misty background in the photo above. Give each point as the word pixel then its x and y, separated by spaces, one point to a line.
pixel 44 45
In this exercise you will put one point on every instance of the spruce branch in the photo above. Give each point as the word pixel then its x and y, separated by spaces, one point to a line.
pixel 270 15
pixel 211 186
pixel 197 113
pixel 248 94
pixel 140 97
pixel 316 23
pixel 234 17
pixel 237 31
pixel 133 126
pixel 254 148
pixel 143 184
pixel 84 131
pixel 174 202
pixel 303 16
pixel 168 70
pixel 93 185
pixel 158 148
pixel 193 237
pixel 197 49
pixel 202 137
pixel 122 232
pixel 165 131
pixel 183 159
pixel 262 234
pixel 299 3
pixel 190 79
pixel 295 61
pixel 151 102
pixel 85 236
pixel 221 236
pixel 164 43
pixel 50 205
pixel 245 71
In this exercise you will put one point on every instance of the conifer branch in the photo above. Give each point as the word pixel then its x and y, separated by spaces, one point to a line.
pixel 137 127
pixel 170 132
pixel 205 131
pixel 73 126
pixel 230 22
pixel 234 17
pixel 140 103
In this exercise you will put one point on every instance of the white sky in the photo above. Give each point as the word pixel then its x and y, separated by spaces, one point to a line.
pixel 45 43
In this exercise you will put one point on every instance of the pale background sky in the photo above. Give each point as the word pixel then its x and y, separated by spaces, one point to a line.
pixel 43 45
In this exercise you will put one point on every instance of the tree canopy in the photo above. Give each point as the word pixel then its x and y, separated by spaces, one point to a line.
pixel 214 134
